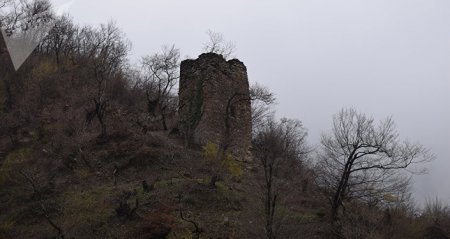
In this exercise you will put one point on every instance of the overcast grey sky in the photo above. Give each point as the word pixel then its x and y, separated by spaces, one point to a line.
pixel 383 57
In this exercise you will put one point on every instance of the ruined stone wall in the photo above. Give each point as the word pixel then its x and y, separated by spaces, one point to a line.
pixel 214 102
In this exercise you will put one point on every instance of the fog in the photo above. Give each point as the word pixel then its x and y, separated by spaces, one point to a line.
pixel 383 57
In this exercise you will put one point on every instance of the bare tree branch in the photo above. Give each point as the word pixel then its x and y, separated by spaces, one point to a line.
pixel 161 75
pixel 218 45
pixel 364 161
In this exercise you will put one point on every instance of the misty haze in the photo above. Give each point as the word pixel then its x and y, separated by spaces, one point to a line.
pixel 224 119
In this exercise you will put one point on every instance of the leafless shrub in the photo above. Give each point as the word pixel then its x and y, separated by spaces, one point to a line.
pixel 217 44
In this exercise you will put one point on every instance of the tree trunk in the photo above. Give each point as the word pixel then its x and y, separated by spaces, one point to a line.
pixel 100 110
pixel 164 123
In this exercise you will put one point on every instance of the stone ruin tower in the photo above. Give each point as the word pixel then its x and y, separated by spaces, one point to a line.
pixel 214 103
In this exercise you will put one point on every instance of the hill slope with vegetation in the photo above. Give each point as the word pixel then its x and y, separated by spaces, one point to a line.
pixel 89 148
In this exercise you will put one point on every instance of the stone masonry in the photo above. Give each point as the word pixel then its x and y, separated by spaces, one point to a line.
pixel 214 103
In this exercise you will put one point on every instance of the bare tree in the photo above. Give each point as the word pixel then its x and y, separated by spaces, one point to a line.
pixel 197 229
pixel 18 17
pixel 4 4
pixel 217 44
pixel 362 160
pixel 107 51
pixel 60 40
pixel 262 100
pixel 31 180
pixel 234 98
pixel 23 15
pixel 162 73
pixel 279 149
pixel 260 97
